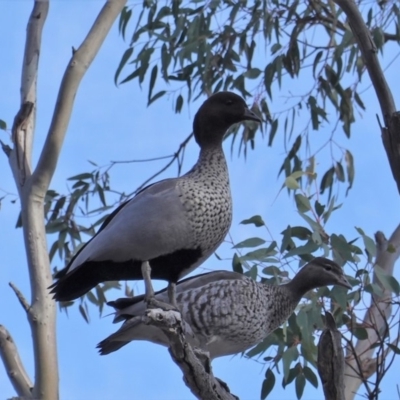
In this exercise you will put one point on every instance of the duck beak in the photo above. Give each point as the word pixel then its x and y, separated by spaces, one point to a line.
pixel 342 281
pixel 250 115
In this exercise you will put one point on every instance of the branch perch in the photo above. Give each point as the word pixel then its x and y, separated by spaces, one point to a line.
pixel 195 365
pixel 13 365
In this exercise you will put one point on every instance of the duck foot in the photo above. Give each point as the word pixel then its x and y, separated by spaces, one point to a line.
pixel 152 302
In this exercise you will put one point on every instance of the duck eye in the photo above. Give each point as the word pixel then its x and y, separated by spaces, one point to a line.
pixel 229 102
pixel 328 268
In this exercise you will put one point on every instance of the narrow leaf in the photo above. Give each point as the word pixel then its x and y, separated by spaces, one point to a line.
pixel 122 63
pixel 268 384
pixel 256 220
pixel 251 242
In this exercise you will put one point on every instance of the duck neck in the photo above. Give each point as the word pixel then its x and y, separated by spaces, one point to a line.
pixel 300 285
pixel 211 163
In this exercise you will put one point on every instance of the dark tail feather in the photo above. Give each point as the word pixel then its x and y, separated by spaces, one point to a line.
pixel 108 346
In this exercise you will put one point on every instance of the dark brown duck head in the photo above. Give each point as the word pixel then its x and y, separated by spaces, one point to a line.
pixel 317 273
pixel 217 114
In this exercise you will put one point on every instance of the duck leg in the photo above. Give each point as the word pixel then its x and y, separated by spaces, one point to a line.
pixel 172 294
pixel 150 299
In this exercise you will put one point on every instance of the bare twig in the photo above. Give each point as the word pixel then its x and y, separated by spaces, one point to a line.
pixel 181 148
pixel 13 365
pixel 24 303
pixel 6 148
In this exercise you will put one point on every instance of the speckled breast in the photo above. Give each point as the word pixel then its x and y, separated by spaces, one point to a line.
pixel 207 200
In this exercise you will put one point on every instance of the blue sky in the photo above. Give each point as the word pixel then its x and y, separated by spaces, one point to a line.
pixel 110 123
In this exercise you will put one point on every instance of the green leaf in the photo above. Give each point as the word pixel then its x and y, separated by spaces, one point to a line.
pixel 272 132
pixel 261 254
pixel 300 384
pixel 360 333
pixel 302 203
pixel 268 384
pixel 256 220
pixel 339 171
pixel 368 243
pixel 83 313
pixel 252 73
pixel 287 241
pixel 394 348
pixel 123 20
pixel 339 294
pixel 350 169
pixel 341 247
pixel 300 232
pixel 358 100
pixel 271 270
pixel 126 56
pixel 3 125
pixel 310 376
pixel 153 78
pixel 179 104
pixel 156 96
pixel 316 61
pixel 308 248
pixel 327 181
pixel 291 183
pixel 251 242
pixel 389 282
pixel 290 355
pixel 81 177
pixel 236 264
pixel 319 208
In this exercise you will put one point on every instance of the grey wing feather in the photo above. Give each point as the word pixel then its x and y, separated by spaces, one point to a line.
pixel 132 232
pixel 137 305
pixel 133 329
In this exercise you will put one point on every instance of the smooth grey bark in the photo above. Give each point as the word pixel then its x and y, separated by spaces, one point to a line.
pixel 14 367
pixel 32 185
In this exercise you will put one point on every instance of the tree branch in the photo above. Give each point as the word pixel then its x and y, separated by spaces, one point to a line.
pixel 388 251
pixel 13 365
pixel 391 130
pixel 24 303
pixel 195 366
pixel 32 188
pixel 76 68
